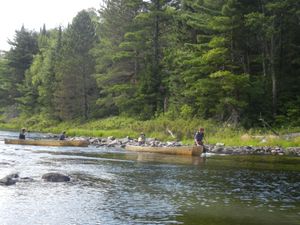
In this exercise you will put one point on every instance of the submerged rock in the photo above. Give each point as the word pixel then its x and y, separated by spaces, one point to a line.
pixel 55 177
pixel 25 179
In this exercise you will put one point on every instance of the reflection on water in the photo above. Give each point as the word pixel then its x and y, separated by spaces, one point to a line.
pixel 111 186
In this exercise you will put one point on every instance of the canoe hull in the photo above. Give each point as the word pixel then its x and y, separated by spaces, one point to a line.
pixel 181 150
pixel 75 143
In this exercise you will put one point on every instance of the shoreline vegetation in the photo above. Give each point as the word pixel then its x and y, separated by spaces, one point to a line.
pixel 162 129
pixel 164 65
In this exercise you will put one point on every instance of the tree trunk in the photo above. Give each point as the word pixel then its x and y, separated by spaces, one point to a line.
pixel 273 76
pixel 135 66
pixel 85 98
pixel 156 75
pixel 155 40
pixel 273 73
pixel 165 104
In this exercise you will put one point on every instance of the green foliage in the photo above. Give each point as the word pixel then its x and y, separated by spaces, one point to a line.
pixel 183 129
pixel 186 111
pixel 118 57
pixel 5 84
pixel 224 61
pixel 18 60
pixel 76 92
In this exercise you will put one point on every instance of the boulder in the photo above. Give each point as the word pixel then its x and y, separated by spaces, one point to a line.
pixel 55 177
pixel 220 144
pixel 125 140
pixel 95 141
pixel 217 150
pixel 111 138
pixel 9 179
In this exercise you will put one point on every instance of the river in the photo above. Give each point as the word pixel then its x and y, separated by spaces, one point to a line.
pixel 112 186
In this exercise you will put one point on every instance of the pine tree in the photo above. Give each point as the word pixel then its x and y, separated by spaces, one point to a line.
pixel 154 26
pixel 5 84
pixel 273 27
pixel 76 92
pixel 119 59
pixel 19 59
pixel 210 77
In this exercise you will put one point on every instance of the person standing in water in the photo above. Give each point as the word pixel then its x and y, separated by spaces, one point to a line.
pixel 199 136
pixel 62 136
pixel 22 134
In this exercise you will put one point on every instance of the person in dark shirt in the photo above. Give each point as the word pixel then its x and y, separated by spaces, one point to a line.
pixel 22 134
pixel 199 136
pixel 62 136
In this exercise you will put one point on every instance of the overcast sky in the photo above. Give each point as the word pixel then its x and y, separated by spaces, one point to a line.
pixel 34 13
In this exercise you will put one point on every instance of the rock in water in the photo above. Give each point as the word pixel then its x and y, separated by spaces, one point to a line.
pixel 9 179
pixel 55 177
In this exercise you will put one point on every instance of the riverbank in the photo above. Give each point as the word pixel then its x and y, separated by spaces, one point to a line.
pixel 163 129
pixel 216 149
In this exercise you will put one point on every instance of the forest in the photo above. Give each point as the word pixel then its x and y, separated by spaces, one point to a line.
pixel 233 61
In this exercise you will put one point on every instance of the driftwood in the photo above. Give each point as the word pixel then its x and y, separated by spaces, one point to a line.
pixel 171 133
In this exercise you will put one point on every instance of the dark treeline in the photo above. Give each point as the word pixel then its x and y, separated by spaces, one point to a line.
pixel 227 60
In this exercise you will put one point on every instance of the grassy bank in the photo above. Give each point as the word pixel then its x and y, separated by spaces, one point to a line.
pixel 160 128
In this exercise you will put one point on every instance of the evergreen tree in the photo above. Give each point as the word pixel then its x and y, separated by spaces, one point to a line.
pixel 230 60
pixel 119 59
pixel 273 30
pixel 19 59
pixel 213 79
pixel 5 84
pixel 75 93
pixel 156 23
pixel 40 81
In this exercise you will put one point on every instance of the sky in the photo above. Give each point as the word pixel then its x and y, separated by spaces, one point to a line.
pixel 34 13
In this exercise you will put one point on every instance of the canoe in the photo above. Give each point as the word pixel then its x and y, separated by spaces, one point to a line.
pixel 167 158
pixel 77 143
pixel 181 150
